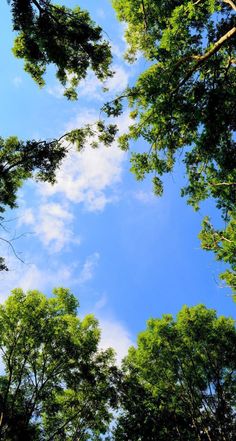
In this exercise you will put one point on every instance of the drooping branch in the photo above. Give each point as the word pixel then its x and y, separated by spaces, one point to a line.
pixel 8 242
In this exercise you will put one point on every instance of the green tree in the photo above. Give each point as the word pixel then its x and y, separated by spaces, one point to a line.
pixel 57 384
pixel 180 380
pixel 182 104
pixel 48 34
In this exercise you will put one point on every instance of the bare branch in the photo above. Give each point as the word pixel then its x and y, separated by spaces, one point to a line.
pixel 12 248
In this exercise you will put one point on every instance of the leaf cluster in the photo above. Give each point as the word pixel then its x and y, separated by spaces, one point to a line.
pixel 67 38
pixel 21 160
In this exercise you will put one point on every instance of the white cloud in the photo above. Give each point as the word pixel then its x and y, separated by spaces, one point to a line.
pixel 146 197
pixel 117 51
pixel 89 177
pixel 57 90
pixel 51 222
pixel 28 217
pixel 88 268
pixel 115 335
pixel 30 276
pixel 91 87
pixel 84 177
pixel 53 226
pixel 119 81
pixel 101 303
pixel 48 275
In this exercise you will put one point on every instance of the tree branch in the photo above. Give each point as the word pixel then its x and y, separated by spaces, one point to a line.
pixel 13 249
pixel 231 3
pixel 216 47
pixel 218 184
pixel 202 58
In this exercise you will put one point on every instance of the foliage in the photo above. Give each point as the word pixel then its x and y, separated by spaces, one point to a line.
pixel 182 104
pixel 67 38
pixel 180 381
pixel 223 243
pixel 18 161
pixel 57 383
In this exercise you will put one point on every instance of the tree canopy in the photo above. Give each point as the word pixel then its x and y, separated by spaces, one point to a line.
pixel 56 384
pixel 183 103
pixel 179 383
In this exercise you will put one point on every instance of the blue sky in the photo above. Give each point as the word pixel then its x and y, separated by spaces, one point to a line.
pixel 126 254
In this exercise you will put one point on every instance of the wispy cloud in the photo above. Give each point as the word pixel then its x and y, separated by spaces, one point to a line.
pixel 31 276
pixel 52 223
pixel 88 268
pixel 91 88
pixel 47 275
pixel 145 197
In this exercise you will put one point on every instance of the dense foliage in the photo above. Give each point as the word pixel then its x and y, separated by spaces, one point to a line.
pixel 182 104
pixel 54 34
pixel 56 383
pixel 180 381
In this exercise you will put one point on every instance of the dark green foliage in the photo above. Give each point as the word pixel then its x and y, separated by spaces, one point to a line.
pixel 180 381
pixel 183 103
pixel 21 160
pixel 67 38
pixel 57 385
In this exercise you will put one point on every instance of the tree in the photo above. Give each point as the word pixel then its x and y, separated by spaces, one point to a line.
pixel 182 104
pixel 57 384
pixel 73 43
pixel 179 383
